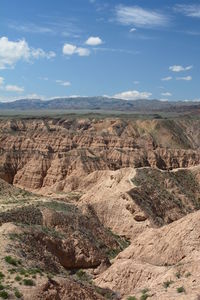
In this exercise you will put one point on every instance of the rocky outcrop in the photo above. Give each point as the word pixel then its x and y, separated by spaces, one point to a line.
pixel 45 153
pixel 66 236
pixel 63 289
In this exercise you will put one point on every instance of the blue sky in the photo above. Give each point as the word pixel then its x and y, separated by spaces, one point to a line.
pixel 128 49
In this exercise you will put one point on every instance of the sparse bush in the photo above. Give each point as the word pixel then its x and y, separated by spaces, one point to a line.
pixel 4 295
pixel 188 274
pixel 34 271
pixel 83 276
pixel 18 294
pixel 22 271
pixel 144 294
pixel 28 282
pixel 1 287
pixel 10 260
pixel 1 275
pixel 180 289
pixel 12 271
pixel 18 278
pixel 167 283
pixel 131 298
pixel 144 291
pixel 13 236
pixel 178 275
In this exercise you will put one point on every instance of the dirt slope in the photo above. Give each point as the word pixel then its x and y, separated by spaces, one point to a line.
pixel 157 256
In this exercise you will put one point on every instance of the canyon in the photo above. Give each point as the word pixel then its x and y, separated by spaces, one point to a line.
pixel 100 208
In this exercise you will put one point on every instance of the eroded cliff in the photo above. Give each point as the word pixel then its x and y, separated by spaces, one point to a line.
pixel 52 154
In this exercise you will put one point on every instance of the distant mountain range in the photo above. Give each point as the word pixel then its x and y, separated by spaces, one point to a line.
pixel 100 103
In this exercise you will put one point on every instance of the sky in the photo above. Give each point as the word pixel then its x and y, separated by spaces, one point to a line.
pixel 129 49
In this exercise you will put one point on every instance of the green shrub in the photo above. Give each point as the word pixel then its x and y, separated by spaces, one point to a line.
pixel 12 271
pixel 131 298
pixel 1 275
pixel 180 289
pixel 4 295
pixel 83 276
pixel 188 274
pixel 34 271
pixel 18 278
pixel 167 283
pixel 11 261
pixel 18 294
pixel 144 297
pixel 144 291
pixel 28 282
pixel 22 271
pixel 1 287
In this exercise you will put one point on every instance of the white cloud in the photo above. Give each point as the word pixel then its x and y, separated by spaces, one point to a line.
pixel 132 95
pixel 69 49
pixel 12 52
pixel 190 10
pixel 31 28
pixel 139 17
pixel 167 94
pixel 1 81
pixel 63 83
pixel 39 53
pixel 132 30
pixel 168 78
pixel 51 25
pixel 136 82
pixel 10 87
pixel 94 41
pixel 177 68
pixel 14 88
pixel 82 51
pixel 103 49
pixel 186 78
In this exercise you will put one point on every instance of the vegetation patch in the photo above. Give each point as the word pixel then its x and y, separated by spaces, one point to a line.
pixel 1 275
pixel 58 206
pixel 122 243
pixel 12 261
pixel 28 282
pixel 83 276
pixel 4 295
pixel 17 293
pixel 167 283
pixel 164 192
pixel 180 289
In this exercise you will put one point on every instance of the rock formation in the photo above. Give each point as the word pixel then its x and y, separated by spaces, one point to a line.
pixel 100 208
pixel 45 153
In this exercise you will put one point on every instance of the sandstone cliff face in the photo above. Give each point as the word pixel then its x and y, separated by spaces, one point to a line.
pixel 46 153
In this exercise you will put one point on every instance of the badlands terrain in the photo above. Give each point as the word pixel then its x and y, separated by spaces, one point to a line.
pixel 99 208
